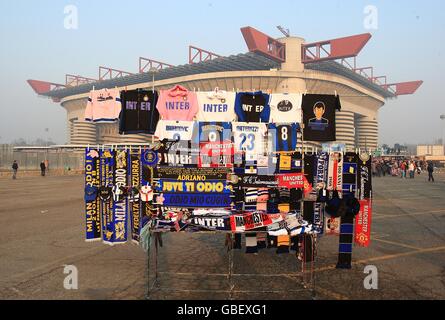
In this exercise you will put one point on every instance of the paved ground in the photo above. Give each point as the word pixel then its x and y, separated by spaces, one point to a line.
pixel 41 224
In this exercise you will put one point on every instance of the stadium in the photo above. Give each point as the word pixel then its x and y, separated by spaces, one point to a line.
pixel 286 64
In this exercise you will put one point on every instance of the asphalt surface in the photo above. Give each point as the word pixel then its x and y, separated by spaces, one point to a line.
pixel 42 222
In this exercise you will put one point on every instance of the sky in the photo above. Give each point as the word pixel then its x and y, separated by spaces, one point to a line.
pixel 407 44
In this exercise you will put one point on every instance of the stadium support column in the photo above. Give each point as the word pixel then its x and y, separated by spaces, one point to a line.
pixel 367 133
pixel 82 132
pixel 291 83
pixel 345 133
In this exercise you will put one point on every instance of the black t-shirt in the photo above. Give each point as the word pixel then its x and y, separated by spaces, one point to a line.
pixel 252 107
pixel 319 116
pixel 178 153
pixel 139 113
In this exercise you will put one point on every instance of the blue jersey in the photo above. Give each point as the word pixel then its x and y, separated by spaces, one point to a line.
pixel 252 107
pixel 283 136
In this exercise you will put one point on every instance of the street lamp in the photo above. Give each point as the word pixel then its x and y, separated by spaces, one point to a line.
pixel 442 117
pixel 153 71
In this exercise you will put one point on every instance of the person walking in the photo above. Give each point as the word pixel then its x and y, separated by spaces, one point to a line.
pixel 430 169
pixel 411 169
pixel 15 168
pixel 403 169
pixel 42 168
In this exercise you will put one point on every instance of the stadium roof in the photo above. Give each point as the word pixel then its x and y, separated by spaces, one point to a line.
pixel 250 61
pixel 265 53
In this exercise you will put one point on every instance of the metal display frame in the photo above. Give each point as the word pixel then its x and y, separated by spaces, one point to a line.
pixel 307 275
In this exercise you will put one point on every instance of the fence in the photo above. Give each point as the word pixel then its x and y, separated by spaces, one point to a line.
pixel 29 158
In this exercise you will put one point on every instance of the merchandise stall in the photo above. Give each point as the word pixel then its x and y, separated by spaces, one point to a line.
pixel 232 163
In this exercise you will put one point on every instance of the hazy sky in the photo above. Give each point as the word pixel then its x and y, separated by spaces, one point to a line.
pixel 407 45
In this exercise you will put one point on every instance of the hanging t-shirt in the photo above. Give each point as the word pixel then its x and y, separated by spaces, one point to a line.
pixel 139 113
pixel 175 130
pixel 252 107
pixel 285 107
pixel 215 143
pixel 319 116
pixel 216 106
pixel 283 136
pixel 177 103
pixel 103 106
pixel 177 153
pixel 249 138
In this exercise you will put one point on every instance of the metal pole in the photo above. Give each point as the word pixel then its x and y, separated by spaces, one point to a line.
pixel 148 266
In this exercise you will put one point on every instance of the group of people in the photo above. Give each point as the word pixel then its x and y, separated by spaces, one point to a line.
pixel 402 168
pixel 43 168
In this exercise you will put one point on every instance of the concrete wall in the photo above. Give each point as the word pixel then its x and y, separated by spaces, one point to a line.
pixel 430 150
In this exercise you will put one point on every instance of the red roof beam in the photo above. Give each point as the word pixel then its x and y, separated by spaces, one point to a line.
pixel 363 71
pixel 403 88
pixel 41 87
pixel 377 80
pixel 110 73
pixel 146 64
pixel 197 55
pixel 73 81
pixel 334 49
pixel 263 44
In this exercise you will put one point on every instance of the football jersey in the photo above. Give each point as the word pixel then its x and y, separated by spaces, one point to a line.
pixel 215 143
pixel 249 138
pixel 285 107
pixel 283 136
pixel 216 106
pixel 139 113
pixel 177 104
pixel 174 130
pixel 252 106
pixel 103 106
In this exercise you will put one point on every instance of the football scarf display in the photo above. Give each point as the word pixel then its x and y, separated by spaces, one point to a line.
pixel 149 160
pixel 319 117
pixel 350 171
pixel 135 175
pixel 345 242
pixel 120 204
pixel 92 201
pixel 107 163
pixel 335 172
pixel 363 224
pixel 365 177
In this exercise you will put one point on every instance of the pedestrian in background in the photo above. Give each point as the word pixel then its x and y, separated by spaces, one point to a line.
pixel 430 169
pixel 42 168
pixel 403 170
pixel 15 168
pixel 411 169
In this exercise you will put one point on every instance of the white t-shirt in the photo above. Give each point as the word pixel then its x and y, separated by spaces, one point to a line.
pixel 249 138
pixel 285 107
pixel 216 106
pixel 174 130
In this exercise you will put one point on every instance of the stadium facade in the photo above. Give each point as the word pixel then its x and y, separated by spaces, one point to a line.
pixel 281 65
